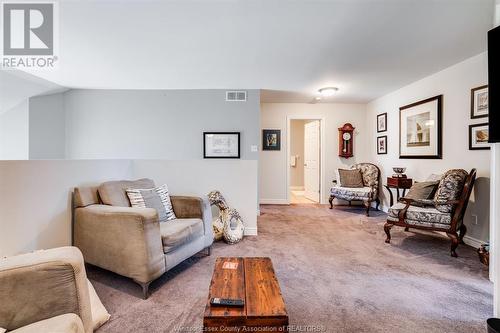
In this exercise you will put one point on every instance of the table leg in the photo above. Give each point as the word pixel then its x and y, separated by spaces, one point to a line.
pixel 391 201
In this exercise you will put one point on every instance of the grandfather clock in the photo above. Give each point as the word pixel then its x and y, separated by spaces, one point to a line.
pixel 346 137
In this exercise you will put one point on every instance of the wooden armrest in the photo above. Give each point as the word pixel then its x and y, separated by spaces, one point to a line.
pixel 402 212
pixel 407 201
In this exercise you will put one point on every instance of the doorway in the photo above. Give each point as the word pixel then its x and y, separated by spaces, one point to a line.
pixel 304 161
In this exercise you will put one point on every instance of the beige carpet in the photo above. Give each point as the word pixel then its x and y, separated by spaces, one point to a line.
pixel 336 273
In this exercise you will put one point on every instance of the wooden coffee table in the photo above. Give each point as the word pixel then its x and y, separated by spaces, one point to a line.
pixel 250 279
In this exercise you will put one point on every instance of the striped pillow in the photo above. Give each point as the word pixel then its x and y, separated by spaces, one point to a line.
pixel 157 198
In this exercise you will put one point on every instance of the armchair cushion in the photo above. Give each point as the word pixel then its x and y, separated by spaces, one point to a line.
pixel 351 193
pixel 113 193
pixel 179 232
pixel 427 216
pixel 449 189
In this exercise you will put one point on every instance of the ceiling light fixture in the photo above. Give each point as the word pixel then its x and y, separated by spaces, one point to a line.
pixel 328 91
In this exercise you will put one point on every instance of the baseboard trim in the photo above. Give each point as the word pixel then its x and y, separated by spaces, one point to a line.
pixel 471 241
pixel 250 231
pixel 273 202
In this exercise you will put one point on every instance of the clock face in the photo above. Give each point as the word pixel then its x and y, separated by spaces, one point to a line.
pixel 346 136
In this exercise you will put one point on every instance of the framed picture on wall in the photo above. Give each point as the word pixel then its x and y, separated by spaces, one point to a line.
pixel 221 144
pixel 271 139
pixel 479 102
pixel 382 122
pixel 420 129
pixel 382 145
pixel 478 136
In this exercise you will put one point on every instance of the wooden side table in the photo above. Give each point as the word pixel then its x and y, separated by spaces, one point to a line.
pixel 398 183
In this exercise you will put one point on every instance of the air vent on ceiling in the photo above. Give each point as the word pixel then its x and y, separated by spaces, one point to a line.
pixel 236 96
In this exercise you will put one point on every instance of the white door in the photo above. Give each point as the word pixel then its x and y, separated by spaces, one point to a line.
pixel 311 160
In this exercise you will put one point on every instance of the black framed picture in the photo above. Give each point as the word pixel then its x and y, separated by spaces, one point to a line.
pixel 420 129
pixel 382 145
pixel 478 137
pixel 221 144
pixel 479 102
pixel 271 139
pixel 382 122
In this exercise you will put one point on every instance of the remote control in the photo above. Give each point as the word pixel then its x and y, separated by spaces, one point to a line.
pixel 226 302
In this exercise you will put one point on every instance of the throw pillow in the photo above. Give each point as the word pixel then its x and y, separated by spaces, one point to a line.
pixel 350 178
pixel 157 198
pixel 422 190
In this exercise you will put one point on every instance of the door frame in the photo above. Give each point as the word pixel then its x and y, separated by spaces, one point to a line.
pixel 321 149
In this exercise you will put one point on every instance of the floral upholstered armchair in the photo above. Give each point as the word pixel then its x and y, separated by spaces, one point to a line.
pixel 367 193
pixel 444 212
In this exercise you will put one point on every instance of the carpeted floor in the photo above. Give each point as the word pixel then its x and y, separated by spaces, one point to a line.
pixel 335 272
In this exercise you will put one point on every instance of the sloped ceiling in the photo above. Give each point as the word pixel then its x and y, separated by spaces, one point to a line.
pixel 289 48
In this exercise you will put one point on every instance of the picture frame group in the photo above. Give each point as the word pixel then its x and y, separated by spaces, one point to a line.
pixel 479 133
pixel 382 127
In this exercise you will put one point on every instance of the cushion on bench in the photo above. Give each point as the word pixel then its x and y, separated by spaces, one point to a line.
pixel 421 216
pixel 351 193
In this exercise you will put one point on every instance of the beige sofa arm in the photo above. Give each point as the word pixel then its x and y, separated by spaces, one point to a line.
pixel 41 285
pixel 124 240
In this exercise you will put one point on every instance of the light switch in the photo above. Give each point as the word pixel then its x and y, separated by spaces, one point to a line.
pixel 254 148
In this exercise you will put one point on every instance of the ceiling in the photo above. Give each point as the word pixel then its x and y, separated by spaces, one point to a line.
pixel 290 48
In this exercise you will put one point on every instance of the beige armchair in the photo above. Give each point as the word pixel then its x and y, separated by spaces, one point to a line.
pixel 131 241
pixel 45 291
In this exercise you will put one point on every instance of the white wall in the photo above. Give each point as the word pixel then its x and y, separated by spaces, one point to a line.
pixel 14 132
pixel 47 127
pixel 35 199
pixel 297 149
pixel 16 88
pixel 273 164
pixel 35 211
pixel 455 84
pixel 155 124
pixel 236 179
